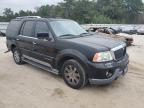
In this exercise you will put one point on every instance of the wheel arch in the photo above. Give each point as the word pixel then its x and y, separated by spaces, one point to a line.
pixel 12 47
pixel 71 54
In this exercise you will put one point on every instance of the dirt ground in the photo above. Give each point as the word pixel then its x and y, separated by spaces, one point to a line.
pixel 26 86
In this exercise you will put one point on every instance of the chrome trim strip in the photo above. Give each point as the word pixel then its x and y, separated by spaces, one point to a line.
pixel 115 49
pixel 37 61
pixel 28 37
pixel 118 47
pixel 113 55
pixel 54 71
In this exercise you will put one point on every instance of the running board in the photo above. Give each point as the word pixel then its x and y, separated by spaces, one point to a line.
pixel 41 66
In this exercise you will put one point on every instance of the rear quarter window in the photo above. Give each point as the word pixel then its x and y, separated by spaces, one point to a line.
pixel 13 28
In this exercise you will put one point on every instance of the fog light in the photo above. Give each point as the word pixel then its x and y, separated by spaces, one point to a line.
pixel 109 74
pixel 109 65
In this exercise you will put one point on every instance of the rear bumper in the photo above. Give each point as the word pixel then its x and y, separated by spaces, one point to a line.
pixel 98 72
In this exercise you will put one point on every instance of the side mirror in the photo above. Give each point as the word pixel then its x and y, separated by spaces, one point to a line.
pixel 43 36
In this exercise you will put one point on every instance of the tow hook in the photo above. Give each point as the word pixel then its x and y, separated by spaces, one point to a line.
pixel 7 51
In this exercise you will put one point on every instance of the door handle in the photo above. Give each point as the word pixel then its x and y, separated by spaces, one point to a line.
pixel 34 43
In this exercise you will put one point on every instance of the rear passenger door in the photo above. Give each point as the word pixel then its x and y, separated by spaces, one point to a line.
pixel 26 37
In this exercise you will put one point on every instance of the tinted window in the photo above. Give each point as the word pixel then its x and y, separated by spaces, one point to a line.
pixel 41 27
pixel 13 28
pixel 28 28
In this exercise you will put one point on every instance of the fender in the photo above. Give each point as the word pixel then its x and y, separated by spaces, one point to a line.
pixel 71 53
pixel 10 42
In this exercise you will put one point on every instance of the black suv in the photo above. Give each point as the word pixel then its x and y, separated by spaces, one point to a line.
pixel 63 47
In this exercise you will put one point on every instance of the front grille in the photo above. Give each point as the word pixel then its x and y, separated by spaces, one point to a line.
pixel 120 53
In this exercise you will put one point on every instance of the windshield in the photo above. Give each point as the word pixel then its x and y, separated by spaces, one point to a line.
pixel 67 28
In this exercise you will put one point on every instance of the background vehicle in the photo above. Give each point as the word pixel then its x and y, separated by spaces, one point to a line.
pixel 140 31
pixel 114 33
pixel 62 47
pixel 2 34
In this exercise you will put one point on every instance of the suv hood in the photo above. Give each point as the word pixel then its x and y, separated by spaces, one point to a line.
pixel 101 43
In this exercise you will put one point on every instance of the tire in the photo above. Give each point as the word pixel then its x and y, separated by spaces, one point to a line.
pixel 17 56
pixel 74 74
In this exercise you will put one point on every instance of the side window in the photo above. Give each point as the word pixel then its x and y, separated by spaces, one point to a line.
pixel 28 28
pixel 42 27
pixel 13 28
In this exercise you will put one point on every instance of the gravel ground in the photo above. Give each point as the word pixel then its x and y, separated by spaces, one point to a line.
pixel 26 86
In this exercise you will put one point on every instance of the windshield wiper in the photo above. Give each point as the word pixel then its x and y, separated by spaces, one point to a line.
pixel 85 34
pixel 67 35
pixel 71 35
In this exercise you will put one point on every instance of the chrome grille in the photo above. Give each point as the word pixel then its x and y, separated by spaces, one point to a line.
pixel 120 53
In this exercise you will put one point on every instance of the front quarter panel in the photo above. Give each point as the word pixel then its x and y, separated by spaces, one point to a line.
pixel 73 54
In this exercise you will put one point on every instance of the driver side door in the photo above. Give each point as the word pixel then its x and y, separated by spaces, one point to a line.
pixel 44 49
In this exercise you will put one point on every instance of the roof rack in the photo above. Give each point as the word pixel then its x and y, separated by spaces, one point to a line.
pixel 28 17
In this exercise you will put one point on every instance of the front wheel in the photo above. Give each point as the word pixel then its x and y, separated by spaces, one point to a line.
pixel 74 74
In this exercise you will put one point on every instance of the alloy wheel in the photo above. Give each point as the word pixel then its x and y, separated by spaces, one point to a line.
pixel 72 75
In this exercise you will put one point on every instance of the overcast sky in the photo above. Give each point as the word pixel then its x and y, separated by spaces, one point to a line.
pixel 17 5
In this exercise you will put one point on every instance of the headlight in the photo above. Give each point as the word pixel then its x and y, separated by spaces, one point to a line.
pixel 102 57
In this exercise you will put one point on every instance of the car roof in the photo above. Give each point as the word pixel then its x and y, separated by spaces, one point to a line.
pixel 42 19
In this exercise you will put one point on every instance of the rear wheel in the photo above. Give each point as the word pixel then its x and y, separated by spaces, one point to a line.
pixel 74 74
pixel 17 56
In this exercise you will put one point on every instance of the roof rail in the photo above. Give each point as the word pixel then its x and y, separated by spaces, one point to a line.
pixel 28 17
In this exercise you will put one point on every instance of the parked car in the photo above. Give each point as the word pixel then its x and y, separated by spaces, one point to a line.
pixel 108 30
pixel 129 30
pixel 2 34
pixel 140 31
pixel 115 34
pixel 103 30
pixel 62 47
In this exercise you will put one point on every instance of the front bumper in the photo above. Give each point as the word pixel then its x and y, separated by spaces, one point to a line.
pixel 118 72
pixel 97 71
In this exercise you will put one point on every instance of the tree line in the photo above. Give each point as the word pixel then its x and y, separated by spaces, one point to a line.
pixel 87 11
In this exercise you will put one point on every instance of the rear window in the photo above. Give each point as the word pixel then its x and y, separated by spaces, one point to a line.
pixel 28 28
pixel 13 28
